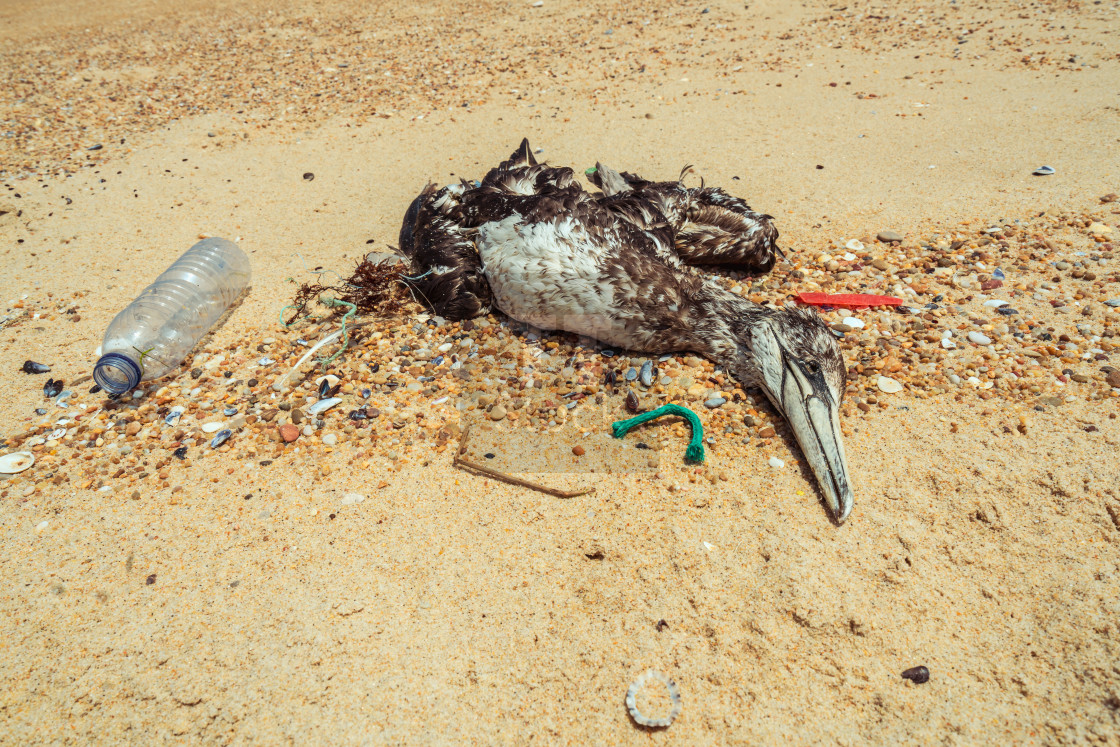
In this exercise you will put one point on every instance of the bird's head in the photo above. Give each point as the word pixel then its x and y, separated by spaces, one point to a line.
pixel 792 355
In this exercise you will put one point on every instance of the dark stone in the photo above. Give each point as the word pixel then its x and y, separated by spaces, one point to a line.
pixel 918 675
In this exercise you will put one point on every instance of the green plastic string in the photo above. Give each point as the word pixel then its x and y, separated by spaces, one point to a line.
pixel 695 450
pixel 328 301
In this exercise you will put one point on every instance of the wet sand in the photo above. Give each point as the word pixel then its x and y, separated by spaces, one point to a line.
pixel 370 592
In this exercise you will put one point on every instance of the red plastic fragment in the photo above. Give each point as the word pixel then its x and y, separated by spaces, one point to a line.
pixel 847 300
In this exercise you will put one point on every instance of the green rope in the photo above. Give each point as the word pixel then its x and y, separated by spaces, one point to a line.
pixel 695 450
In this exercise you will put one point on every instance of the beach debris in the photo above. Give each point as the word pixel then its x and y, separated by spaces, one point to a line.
pixel 888 385
pixel 308 177
pixel 847 300
pixel 979 338
pixel 279 384
pixel 31 367
pixel 52 388
pixel 16 461
pixel 462 461
pixel 323 405
pixel 646 374
pixel 1043 171
pixel 918 675
pixel 221 438
pixel 695 450
pixel 637 690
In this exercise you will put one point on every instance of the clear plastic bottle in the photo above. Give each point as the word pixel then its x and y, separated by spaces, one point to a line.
pixel 154 333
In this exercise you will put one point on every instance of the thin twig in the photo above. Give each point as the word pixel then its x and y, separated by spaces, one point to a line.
pixel 460 461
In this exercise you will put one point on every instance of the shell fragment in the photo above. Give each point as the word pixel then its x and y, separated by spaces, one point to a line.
pixel 17 461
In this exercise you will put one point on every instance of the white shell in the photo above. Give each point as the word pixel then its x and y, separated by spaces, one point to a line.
pixel 323 405
pixel 17 461
pixel 674 699
pixel 888 385
pixel 212 427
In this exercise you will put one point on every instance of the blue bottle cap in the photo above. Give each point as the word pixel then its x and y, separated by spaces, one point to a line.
pixel 116 373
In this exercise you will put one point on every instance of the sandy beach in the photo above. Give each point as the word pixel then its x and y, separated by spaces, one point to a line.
pixel 356 587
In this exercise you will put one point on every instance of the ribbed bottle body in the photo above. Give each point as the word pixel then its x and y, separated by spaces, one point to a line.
pixel 167 319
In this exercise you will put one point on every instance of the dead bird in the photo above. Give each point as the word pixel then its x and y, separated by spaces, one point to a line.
pixel 621 266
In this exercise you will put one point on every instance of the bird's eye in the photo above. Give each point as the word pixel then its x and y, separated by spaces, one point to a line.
pixel 812 367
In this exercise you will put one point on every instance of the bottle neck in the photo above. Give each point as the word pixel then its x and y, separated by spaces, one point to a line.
pixel 116 373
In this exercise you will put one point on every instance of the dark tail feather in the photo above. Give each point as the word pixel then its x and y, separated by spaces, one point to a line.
pixel 523 156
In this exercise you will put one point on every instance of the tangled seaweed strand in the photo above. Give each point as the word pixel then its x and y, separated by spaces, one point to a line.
pixel 372 288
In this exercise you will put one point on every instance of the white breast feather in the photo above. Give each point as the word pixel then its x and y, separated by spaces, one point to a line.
pixel 551 275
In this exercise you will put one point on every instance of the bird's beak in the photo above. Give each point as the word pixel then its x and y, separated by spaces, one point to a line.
pixel 803 396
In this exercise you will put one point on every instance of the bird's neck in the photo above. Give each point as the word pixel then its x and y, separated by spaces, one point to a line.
pixel 721 322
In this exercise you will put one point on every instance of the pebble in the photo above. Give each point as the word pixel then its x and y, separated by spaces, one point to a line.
pixel 979 338
pixel 767 432
pixel 330 439
pixel 1113 379
pixel 578 450
pixel 918 675
pixel 888 385
pixel 351 498
pixel 885 236
pixel 288 432
pixel 134 427
pixel 776 463
pixel 497 412
pixel 714 402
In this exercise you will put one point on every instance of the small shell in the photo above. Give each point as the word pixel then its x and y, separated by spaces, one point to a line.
pixel 31 367
pixel 888 385
pixel 211 427
pixel 52 388
pixel 173 416
pixel 323 405
pixel 57 433
pixel 631 373
pixel 221 438
pixel 1043 171
pixel 674 700
pixel 17 461
pixel 646 374
pixel 230 412
pixel 266 361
